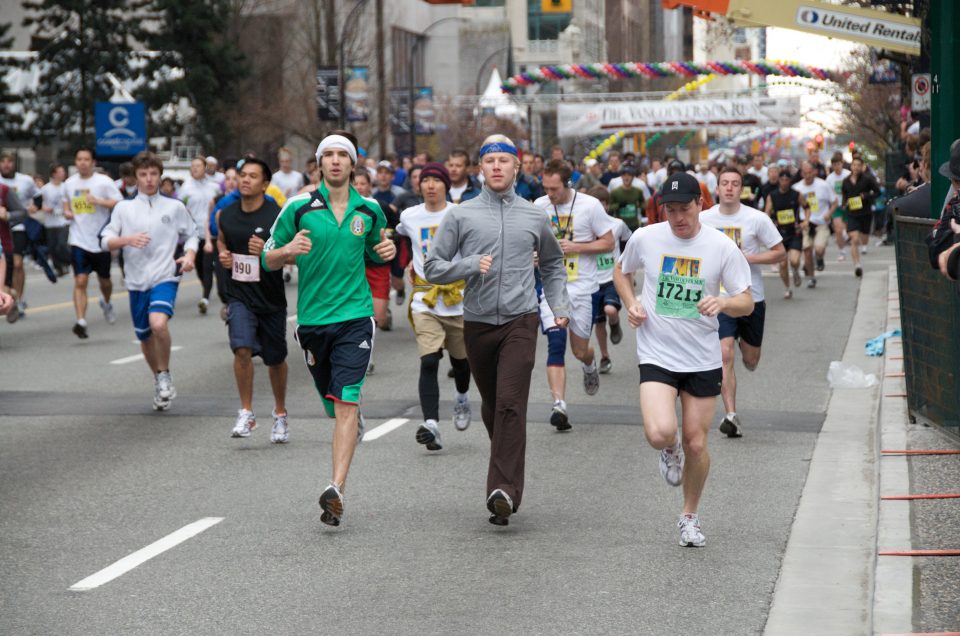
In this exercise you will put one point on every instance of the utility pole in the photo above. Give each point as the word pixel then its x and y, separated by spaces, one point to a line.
pixel 944 93
pixel 330 30
pixel 381 85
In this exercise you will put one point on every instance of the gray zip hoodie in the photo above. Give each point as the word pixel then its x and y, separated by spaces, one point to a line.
pixel 510 229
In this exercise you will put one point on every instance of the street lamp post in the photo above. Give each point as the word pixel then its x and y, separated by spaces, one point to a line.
pixel 341 116
pixel 413 53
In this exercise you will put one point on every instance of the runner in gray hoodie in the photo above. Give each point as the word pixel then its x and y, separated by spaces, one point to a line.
pixel 497 236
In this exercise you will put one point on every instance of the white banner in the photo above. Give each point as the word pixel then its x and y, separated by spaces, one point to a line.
pixel 577 120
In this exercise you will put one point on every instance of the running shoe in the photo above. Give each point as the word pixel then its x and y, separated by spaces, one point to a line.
pixel 858 272
pixel 451 373
pixel 331 502
pixel 863 249
pixel 389 325
pixel 429 435
pixel 279 433
pixel 202 306
pixel 108 312
pixel 159 403
pixel 558 417
pixel 787 295
pixel 671 464
pixel 841 257
pixel 796 277
pixel 606 366
pixel 223 313
pixel 690 533
pixel 371 368
pixel 78 329
pixel 820 264
pixel 461 415
pixel 246 422
pixel 400 297
pixel 591 381
pixel 616 333
pixel 500 504
pixel 165 382
pixel 812 283
pixel 14 315
pixel 730 426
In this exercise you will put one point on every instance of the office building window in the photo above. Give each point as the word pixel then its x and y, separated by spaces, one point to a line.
pixel 545 26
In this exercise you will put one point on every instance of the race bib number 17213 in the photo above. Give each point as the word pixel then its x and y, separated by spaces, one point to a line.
pixel 677 296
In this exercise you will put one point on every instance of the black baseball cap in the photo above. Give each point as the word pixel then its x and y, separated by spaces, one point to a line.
pixel 680 187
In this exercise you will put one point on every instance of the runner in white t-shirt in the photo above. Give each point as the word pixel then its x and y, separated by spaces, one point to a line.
pixel 90 199
pixel 584 231
pixel 756 235
pixel 606 302
pixel 835 180
pixel 53 194
pixel 819 203
pixel 436 311
pixel 198 194
pixel 286 178
pixel 684 265
pixel 24 187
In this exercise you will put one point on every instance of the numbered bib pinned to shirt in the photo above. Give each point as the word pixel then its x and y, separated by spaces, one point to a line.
pixel 677 296
pixel 813 203
pixel 786 217
pixel 80 204
pixel 605 261
pixel 572 264
pixel 246 268
pixel 855 203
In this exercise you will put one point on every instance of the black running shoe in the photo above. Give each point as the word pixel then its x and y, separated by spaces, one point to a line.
pixel 858 272
pixel 819 263
pixel 80 330
pixel 559 419
pixel 616 333
pixel 331 502
pixel 500 504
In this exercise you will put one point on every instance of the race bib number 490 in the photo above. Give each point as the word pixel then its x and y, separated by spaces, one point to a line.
pixel 246 268
pixel 677 296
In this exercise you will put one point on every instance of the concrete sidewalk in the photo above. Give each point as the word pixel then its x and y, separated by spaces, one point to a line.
pixel 826 583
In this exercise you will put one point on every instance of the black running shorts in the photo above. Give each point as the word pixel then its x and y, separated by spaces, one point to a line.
pixel 696 383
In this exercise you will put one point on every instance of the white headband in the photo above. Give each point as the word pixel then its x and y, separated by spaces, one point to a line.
pixel 338 142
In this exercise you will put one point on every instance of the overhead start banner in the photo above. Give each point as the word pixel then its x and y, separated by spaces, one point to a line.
pixel 577 120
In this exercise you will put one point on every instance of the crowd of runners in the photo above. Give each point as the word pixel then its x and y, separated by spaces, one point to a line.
pixel 484 254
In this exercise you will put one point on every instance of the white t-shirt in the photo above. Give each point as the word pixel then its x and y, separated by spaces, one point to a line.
pixel 589 222
pixel 656 178
pixel 688 268
pixel 25 189
pixel 217 177
pixel 420 225
pixel 288 182
pixel 819 196
pixel 89 219
pixel 760 173
pixel 752 231
pixel 196 197
pixel 457 191
pixel 53 197
pixel 605 262
pixel 617 182
pixel 835 181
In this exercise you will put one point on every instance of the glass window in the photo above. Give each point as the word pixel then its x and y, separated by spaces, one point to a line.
pixel 544 26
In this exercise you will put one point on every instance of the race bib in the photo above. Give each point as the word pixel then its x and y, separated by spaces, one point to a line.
pixel 605 261
pixel 855 203
pixel 786 217
pixel 628 211
pixel 813 203
pixel 246 268
pixel 572 263
pixel 80 204
pixel 746 194
pixel 677 296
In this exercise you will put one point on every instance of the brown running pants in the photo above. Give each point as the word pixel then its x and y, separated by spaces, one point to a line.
pixel 501 360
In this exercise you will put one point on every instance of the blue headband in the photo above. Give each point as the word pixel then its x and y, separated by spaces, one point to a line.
pixel 498 146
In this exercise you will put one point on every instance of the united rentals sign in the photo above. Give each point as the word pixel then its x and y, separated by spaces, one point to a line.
pixel 598 118
pixel 881 30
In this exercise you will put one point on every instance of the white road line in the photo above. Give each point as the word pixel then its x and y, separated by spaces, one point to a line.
pixel 139 356
pixel 143 555
pixel 383 429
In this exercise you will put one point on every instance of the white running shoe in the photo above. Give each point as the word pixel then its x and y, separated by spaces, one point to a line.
pixel 279 434
pixel 671 464
pixel 690 534
pixel 108 312
pixel 203 305
pixel 429 435
pixel 461 415
pixel 246 422
pixel 591 381
pixel 159 403
pixel 167 391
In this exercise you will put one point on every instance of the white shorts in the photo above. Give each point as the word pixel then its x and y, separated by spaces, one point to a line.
pixel 581 315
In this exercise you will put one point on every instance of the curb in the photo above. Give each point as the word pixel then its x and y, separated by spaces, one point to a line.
pixel 826 582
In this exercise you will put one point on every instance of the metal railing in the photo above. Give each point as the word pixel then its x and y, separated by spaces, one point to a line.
pixel 930 321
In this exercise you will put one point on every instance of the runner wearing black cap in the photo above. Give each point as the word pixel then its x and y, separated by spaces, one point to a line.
pixel 684 265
